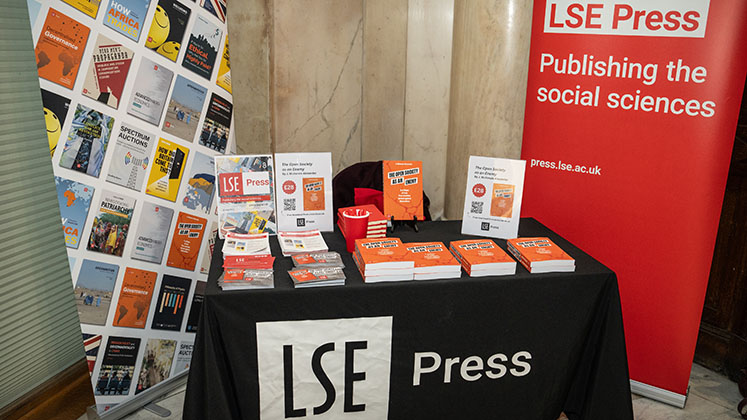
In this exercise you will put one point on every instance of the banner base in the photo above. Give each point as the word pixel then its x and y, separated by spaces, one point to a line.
pixel 658 394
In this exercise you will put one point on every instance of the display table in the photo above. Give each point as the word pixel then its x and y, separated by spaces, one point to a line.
pixel 570 325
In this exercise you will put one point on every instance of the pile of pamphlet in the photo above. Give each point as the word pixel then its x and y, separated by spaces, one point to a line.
pixel 433 261
pixel 541 255
pixel 482 257
pixel 376 221
pixel 317 269
pixel 383 259
pixel 247 262
pixel 303 242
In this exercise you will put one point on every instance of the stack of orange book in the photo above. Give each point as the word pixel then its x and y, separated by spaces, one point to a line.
pixel 376 221
pixel 383 259
pixel 541 255
pixel 433 261
pixel 482 257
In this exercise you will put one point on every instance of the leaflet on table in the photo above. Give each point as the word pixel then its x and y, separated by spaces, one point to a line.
pixel 304 187
pixel 243 244
pixel 492 203
pixel 301 242
pixel 246 195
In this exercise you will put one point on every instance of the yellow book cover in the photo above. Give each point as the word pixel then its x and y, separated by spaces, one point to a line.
pixel 89 7
pixel 167 170
pixel 224 70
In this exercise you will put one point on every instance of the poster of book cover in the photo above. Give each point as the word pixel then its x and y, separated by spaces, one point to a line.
pixel 93 291
pixel 167 28
pixel 202 49
pixel 170 305
pixel 183 356
pixel 117 366
pixel 196 307
pixel 156 365
pixel 167 170
pixel 89 7
pixel 111 224
pixel 217 124
pixel 152 232
pixel 107 71
pixel 224 69
pixel 492 202
pixel 149 92
pixel 185 244
pixel 60 48
pixel 185 108
pixel 200 187
pixel 207 254
pixel 246 194
pixel 216 7
pixel 131 157
pixel 75 200
pixel 87 141
pixel 127 17
pixel 134 298
pixel 92 344
pixel 304 183
pixel 55 112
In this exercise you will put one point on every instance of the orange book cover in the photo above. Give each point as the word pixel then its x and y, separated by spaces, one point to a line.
pixel 539 249
pixel 502 201
pixel 430 254
pixel 185 245
pixel 134 298
pixel 381 250
pixel 60 48
pixel 313 194
pixel 479 251
pixel 403 189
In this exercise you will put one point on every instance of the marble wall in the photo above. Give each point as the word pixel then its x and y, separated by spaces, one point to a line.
pixel 430 80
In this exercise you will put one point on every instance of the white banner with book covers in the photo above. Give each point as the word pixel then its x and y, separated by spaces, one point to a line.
pixel 137 103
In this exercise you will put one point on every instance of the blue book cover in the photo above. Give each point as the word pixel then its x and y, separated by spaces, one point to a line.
pixel 201 185
pixel 127 17
pixel 93 291
pixel 75 200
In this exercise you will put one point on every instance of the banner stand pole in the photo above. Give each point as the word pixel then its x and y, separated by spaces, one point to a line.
pixel 659 394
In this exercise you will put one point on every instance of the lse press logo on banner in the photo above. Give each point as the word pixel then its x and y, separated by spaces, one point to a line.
pixel 668 18
pixel 324 369
pixel 244 183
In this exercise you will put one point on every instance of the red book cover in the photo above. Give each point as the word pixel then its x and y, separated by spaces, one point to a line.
pixel 60 48
pixel 185 245
pixel 134 298
pixel 403 189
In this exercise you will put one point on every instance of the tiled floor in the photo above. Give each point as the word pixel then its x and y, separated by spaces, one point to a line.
pixel 712 397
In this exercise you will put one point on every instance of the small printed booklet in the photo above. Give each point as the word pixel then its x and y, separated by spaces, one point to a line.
pixel 317 277
pixel 541 255
pixel 318 259
pixel 246 244
pixel 301 242
pixel 246 279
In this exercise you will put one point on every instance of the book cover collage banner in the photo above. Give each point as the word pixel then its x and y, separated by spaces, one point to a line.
pixel 137 103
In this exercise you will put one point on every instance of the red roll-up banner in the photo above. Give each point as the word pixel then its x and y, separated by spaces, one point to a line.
pixel 630 119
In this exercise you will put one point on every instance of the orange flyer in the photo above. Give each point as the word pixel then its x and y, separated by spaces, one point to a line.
pixel 403 189
pixel 383 251
pixel 502 202
pixel 479 251
pixel 430 254
pixel 538 249
pixel 185 245
pixel 313 194
pixel 134 298
pixel 60 48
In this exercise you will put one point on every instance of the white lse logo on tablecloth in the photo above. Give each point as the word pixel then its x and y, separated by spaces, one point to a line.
pixel 324 369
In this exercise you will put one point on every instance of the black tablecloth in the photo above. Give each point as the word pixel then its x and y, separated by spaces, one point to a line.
pixel 570 322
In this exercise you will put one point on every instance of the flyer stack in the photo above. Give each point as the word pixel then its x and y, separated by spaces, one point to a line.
pixel 383 259
pixel 247 262
pixel 482 257
pixel 376 221
pixel 433 261
pixel 292 243
pixel 541 255
pixel 317 269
